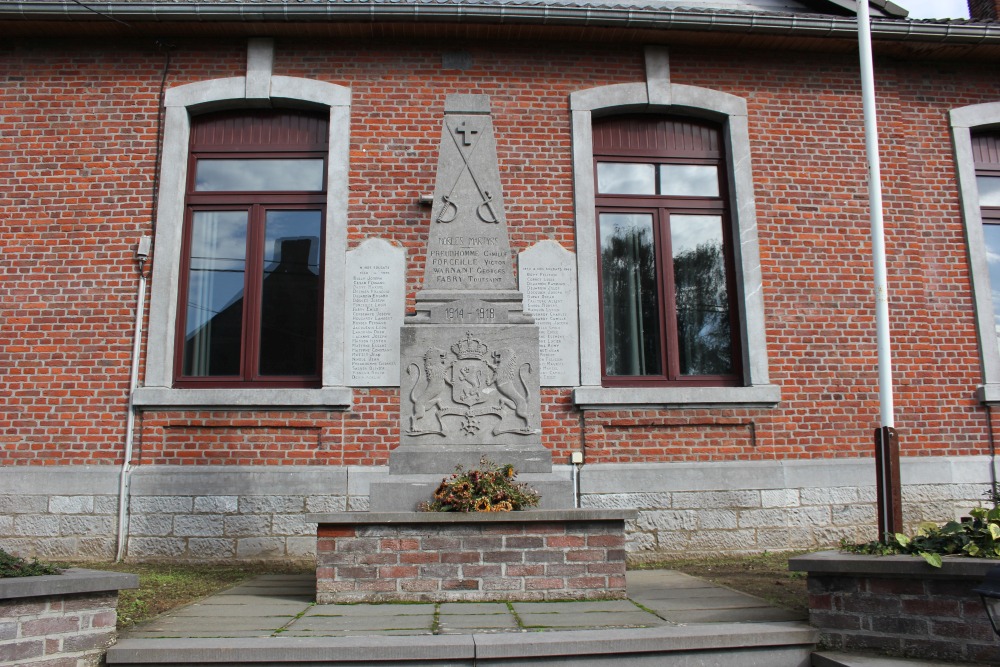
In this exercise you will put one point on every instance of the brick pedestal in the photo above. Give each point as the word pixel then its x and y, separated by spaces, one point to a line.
pixel 430 556
pixel 60 619
pixel 900 605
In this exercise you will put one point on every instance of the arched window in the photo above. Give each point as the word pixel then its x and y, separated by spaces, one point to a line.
pixel 198 201
pixel 976 135
pixel 251 263
pixel 665 253
pixel 692 187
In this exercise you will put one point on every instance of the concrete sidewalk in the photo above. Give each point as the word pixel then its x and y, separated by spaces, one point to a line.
pixel 282 605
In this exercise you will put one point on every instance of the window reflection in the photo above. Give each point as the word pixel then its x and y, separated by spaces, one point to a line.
pixel 689 180
pixel 623 178
pixel 289 317
pixel 215 293
pixel 989 190
pixel 991 234
pixel 629 299
pixel 245 175
pixel 704 339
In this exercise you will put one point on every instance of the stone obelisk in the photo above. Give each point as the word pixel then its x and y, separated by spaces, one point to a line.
pixel 469 376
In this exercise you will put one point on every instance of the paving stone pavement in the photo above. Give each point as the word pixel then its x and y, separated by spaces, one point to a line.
pixel 283 605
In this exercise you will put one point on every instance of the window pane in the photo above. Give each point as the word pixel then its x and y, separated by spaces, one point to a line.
pixel 992 235
pixel 689 180
pixel 289 318
pixel 629 299
pixel 704 339
pixel 989 190
pixel 227 175
pixel 214 316
pixel 622 178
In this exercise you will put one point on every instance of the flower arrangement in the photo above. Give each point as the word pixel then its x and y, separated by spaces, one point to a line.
pixel 489 488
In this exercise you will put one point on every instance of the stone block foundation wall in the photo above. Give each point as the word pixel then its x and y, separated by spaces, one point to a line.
pixel 210 513
pixel 59 620
pixel 899 605
pixel 535 555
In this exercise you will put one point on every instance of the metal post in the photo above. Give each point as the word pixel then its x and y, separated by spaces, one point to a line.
pixel 887 455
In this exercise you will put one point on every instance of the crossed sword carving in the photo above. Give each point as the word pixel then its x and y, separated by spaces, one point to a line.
pixel 450 206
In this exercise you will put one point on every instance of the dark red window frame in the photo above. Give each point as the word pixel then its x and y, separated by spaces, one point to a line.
pixel 667 140
pixel 249 135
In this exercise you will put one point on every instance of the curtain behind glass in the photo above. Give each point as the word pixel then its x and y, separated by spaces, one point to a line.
pixel 214 313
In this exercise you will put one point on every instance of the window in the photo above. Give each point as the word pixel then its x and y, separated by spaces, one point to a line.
pixel 252 253
pixel 665 253
pixel 672 178
pixel 976 136
pixel 986 153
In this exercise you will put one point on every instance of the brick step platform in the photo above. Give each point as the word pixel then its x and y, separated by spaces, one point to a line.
pixel 443 556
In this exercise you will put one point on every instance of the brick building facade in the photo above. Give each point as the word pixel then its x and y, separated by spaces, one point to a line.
pixel 98 110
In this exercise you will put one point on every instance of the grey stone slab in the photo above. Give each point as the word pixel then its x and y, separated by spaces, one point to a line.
pixel 528 516
pixel 838 659
pixel 376 296
pixel 369 610
pixel 439 651
pixel 71 581
pixel 358 633
pixel 624 643
pixel 478 622
pixel 464 608
pixel 233 599
pixel 688 593
pixel 635 619
pixel 195 634
pixel 574 607
pixel 362 623
pixel 714 602
pixel 271 611
pixel 185 624
pixel 742 615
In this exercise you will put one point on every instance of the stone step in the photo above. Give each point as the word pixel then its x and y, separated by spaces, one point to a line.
pixel 837 659
pixel 720 645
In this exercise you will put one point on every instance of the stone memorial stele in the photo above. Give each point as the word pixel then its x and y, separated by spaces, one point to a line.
pixel 547 277
pixel 469 369
pixel 376 300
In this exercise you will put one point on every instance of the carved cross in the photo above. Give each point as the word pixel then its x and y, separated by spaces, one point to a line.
pixel 465 132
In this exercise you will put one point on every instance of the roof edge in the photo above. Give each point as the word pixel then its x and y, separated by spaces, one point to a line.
pixel 546 13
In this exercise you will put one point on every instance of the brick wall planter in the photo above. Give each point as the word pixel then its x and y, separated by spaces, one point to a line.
pixel 411 556
pixel 60 619
pixel 900 605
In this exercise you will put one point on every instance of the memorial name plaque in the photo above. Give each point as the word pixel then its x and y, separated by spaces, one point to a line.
pixel 376 296
pixel 547 276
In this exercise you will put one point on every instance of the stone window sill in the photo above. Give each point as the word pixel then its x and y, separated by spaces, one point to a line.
pixel 165 398
pixel 595 398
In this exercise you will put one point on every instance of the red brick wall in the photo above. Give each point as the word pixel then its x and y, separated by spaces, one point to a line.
pixel 77 165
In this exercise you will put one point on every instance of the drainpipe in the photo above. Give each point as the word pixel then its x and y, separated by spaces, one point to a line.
pixel 141 255
pixel 886 440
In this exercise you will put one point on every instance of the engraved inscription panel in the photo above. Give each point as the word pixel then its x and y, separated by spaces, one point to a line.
pixel 547 276
pixel 375 305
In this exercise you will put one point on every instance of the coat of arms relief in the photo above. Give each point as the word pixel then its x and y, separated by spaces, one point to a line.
pixel 484 388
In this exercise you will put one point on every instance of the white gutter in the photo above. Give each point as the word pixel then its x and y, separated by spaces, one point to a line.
pixel 878 229
pixel 510 13
pixel 141 255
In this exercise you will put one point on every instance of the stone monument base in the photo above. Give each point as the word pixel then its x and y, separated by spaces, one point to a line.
pixel 442 556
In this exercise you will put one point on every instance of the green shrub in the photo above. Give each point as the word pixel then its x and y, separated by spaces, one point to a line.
pixel 14 566
pixel 976 536
pixel 490 488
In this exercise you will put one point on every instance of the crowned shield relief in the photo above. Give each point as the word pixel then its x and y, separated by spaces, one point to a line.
pixel 471 390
